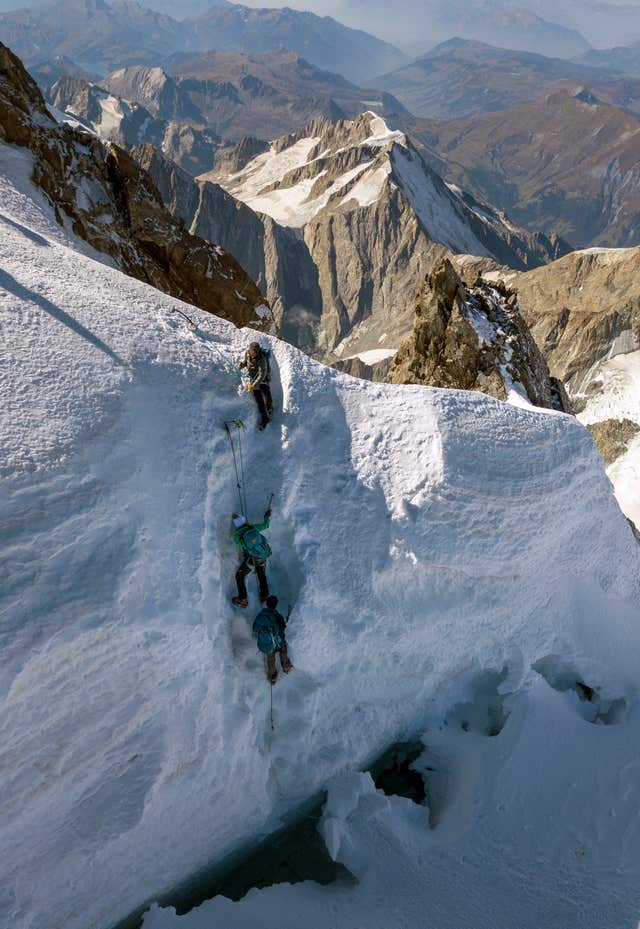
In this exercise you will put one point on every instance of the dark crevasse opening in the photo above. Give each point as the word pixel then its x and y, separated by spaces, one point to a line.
pixel 292 854
pixel 393 773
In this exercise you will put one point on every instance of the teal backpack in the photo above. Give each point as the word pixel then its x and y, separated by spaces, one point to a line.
pixel 267 633
pixel 255 544
pixel 268 641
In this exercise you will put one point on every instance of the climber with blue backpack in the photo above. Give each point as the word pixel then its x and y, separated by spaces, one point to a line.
pixel 257 364
pixel 269 630
pixel 255 551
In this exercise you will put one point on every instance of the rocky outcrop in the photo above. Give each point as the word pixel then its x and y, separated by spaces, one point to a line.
pixel 613 436
pixel 474 339
pixel 104 196
pixel 156 91
pixel 582 309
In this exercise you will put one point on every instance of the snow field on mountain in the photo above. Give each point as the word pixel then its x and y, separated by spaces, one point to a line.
pixel 438 208
pixel 618 397
pixel 434 546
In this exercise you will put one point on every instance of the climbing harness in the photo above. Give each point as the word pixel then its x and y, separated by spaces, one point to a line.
pixel 240 480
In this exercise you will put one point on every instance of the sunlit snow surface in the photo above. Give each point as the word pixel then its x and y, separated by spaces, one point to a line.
pixel 618 397
pixel 430 542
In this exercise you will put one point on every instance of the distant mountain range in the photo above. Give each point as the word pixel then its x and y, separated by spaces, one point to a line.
pixel 467 78
pixel 570 164
pixel 220 98
pixel 602 23
pixel 417 25
pixel 169 127
pixel 624 58
pixel 266 95
pixel 101 37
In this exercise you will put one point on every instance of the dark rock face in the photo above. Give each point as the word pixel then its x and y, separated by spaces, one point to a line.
pixel 274 256
pixel 474 339
pixel 110 202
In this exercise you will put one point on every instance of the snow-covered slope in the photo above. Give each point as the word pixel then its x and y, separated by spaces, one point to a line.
pixel 434 545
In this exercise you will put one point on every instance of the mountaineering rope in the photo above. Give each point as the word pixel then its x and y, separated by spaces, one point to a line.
pixel 244 485
pixel 239 425
pixel 229 367
pixel 271 706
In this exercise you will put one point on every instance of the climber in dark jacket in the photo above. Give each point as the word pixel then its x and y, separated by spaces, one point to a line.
pixel 269 629
pixel 257 367
pixel 254 558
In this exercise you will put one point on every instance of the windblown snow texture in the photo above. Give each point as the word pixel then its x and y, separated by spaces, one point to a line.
pixel 435 546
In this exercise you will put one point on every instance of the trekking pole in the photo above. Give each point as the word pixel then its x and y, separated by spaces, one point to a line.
pixel 184 316
pixel 270 501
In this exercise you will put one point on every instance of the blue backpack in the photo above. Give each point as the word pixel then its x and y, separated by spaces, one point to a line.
pixel 255 545
pixel 268 640
pixel 267 633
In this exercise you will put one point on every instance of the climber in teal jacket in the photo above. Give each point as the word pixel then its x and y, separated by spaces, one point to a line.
pixel 255 551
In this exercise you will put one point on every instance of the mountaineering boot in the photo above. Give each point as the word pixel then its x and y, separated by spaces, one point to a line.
pixel 285 661
pixel 240 601
pixel 272 673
